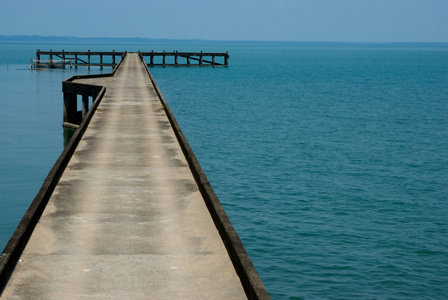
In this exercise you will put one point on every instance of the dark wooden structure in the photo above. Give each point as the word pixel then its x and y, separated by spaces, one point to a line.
pixel 83 58
pixel 187 58
pixel 111 58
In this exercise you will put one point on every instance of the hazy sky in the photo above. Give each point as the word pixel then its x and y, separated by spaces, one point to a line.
pixel 267 20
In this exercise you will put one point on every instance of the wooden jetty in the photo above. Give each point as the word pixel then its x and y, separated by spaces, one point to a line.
pixel 126 212
pixel 109 58
pixel 82 58
pixel 191 58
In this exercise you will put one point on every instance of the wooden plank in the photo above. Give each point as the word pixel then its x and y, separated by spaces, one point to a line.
pixel 80 60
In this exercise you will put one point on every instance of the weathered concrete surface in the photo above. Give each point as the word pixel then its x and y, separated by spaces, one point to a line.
pixel 126 220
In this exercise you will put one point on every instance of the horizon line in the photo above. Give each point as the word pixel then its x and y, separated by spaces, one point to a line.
pixel 17 36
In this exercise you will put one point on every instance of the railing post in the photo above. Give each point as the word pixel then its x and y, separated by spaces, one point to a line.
pixel 151 60
pixel 113 59
pixel 63 58
pixel 101 61
pixel 88 59
pixel 200 59
pixel 85 105
pixel 76 60
pixel 213 60
pixel 163 57
pixel 226 59
pixel 38 54
pixel 51 58
pixel 175 58
pixel 188 60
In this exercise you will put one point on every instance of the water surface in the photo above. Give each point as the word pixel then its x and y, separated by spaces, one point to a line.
pixel 330 159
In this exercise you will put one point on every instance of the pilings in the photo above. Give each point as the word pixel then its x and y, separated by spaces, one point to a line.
pixel 202 58
pixel 108 58
pixel 71 92
pixel 83 58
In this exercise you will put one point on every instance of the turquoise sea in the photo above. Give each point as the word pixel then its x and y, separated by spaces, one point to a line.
pixel 331 160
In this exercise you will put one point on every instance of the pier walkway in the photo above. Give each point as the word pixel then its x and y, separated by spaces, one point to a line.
pixel 127 219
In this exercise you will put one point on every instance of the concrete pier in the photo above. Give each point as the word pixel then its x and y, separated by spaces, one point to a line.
pixel 128 218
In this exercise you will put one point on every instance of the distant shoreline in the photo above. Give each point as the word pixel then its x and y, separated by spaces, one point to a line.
pixel 39 38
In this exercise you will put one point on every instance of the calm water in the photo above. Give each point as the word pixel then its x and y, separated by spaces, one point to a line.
pixel 331 160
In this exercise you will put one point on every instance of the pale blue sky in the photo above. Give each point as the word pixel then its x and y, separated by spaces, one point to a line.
pixel 255 20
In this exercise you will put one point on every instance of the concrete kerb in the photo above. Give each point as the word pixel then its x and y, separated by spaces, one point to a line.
pixel 244 267
pixel 20 237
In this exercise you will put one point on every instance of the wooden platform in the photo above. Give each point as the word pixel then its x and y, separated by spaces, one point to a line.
pixel 128 218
